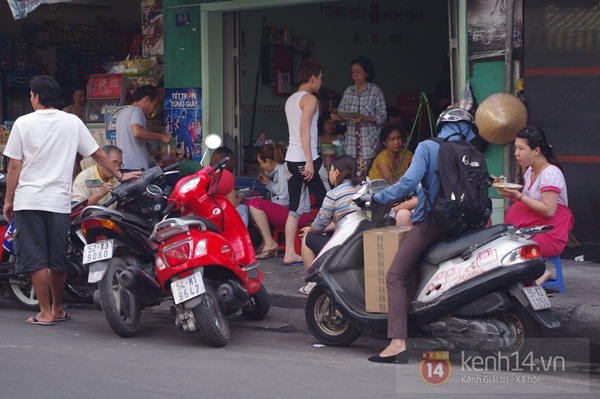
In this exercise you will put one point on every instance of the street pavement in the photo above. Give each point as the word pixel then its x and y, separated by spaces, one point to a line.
pixel 84 358
pixel 578 308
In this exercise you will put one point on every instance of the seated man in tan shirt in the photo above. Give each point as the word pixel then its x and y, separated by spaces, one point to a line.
pixel 98 195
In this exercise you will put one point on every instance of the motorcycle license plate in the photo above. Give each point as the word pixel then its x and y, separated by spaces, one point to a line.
pixel 537 297
pixel 98 251
pixel 187 288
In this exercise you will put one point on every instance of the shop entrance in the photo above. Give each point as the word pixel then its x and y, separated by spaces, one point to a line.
pixel 407 40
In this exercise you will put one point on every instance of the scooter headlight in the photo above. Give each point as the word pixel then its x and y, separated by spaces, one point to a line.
pixel 522 254
pixel 189 185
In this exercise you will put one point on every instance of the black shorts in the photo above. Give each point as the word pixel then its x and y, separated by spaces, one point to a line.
pixel 316 241
pixel 41 240
pixel 318 185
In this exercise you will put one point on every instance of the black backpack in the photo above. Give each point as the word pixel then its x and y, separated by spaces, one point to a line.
pixel 462 200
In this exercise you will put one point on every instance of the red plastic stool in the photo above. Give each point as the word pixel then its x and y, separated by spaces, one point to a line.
pixel 279 237
pixel 279 232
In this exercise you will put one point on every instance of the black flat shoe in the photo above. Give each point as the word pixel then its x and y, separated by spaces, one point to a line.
pixel 400 358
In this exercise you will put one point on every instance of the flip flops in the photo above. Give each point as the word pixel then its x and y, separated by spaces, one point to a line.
pixel 299 263
pixel 306 289
pixel 37 322
pixel 34 320
pixel 66 316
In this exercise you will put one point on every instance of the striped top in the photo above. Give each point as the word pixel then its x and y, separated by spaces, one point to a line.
pixel 335 205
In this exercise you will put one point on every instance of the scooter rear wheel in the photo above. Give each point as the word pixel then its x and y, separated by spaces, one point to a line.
pixel 76 285
pixel 121 308
pixel 259 305
pixel 326 322
pixel 526 347
pixel 211 319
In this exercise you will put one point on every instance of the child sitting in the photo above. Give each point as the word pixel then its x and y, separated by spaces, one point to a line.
pixel 336 205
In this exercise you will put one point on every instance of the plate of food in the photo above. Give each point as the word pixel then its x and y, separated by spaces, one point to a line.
pixel 503 184
pixel 346 114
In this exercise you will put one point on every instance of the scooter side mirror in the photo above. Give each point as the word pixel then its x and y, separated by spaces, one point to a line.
pixel 154 190
pixel 213 141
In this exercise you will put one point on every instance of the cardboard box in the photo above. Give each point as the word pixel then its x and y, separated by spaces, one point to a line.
pixel 380 247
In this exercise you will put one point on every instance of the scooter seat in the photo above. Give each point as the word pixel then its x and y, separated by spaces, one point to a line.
pixel 209 225
pixel 441 251
pixel 135 219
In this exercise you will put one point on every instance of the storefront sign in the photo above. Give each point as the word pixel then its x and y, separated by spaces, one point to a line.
pixel 372 12
pixel 183 120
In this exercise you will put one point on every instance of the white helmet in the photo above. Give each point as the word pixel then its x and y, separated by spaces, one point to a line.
pixel 455 115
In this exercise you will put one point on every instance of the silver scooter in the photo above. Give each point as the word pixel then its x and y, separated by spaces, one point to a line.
pixel 476 291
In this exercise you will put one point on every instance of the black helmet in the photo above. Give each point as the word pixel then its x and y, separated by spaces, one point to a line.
pixel 455 115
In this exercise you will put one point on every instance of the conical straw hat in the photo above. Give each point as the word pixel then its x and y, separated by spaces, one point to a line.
pixel 500 117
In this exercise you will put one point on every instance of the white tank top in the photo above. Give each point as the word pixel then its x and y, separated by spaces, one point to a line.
pixel 293 114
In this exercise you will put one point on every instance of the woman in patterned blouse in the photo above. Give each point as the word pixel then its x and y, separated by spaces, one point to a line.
pixel 367 101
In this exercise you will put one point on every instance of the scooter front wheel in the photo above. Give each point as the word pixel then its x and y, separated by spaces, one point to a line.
pixel 121 308
pixel 21 288
pixel 211 319
pixel 326 322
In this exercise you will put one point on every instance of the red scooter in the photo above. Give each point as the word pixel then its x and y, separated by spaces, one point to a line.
pixel 205 261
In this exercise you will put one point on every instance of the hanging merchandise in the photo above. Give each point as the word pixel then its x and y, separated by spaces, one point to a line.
pixel 500 117
pixel 21 8
pixel 466 102
pixel 283 70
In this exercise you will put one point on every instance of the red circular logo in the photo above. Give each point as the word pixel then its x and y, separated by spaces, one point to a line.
pixel 435 367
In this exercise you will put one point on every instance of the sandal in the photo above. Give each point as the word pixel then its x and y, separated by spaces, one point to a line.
pixel 270 253
pixel 306 289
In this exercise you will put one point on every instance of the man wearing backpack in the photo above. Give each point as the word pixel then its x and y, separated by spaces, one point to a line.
pixel 423 169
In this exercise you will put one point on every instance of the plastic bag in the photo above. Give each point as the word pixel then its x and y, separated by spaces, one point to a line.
pixel 20 8
pixel 466 102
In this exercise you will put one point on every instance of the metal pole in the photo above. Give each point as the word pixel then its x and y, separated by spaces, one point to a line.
pixel 260 57
pixel 509 159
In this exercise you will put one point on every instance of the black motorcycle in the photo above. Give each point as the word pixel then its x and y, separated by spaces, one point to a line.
pixel 117 239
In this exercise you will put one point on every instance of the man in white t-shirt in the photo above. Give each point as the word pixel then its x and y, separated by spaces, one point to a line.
pixel 131 128
pixel 304 165
pixel 42 147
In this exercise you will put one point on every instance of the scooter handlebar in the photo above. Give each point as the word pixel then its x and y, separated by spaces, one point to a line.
pixel 221 164
pixel 169 168
pixel 111 201
pixel 365 201
pixel 169 208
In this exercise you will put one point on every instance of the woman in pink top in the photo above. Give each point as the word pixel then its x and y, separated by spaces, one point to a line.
pixel 544 196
